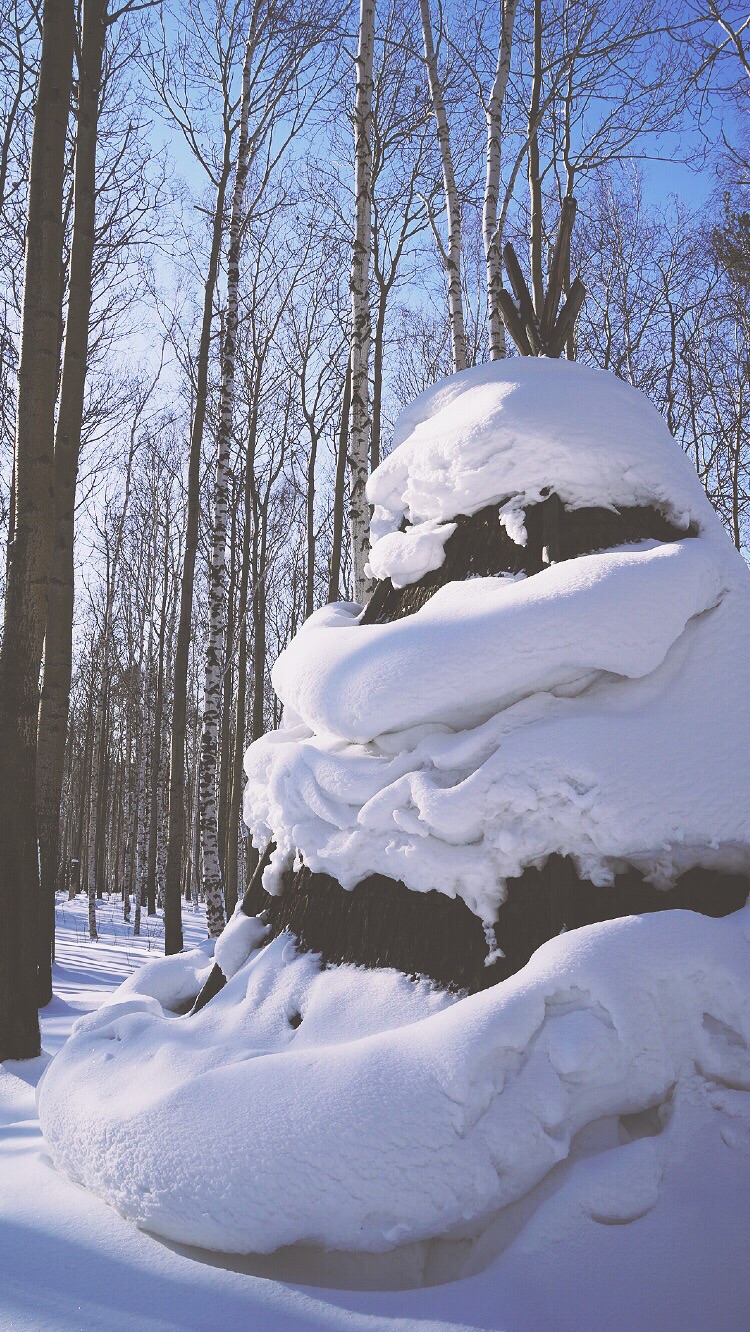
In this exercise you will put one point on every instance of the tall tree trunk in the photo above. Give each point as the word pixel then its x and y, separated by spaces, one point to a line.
pixel 227 695
pixel 156 738
pixel 58 642
pixel 91 824
pixel 491 229
pixel 536 221
pixel 235 804
pixel 176 838
pixel 451 255
pixel 100 837
pixel 215 650
pixel 31 547
pixel 310 521
pixel 260 541
pixel 378 354
pixel 359 516
pixel 337 539
pixel 141 874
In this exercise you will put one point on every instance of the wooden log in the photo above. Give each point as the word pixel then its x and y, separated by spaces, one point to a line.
pixel 559 264
pixel 480 547
pixel 513 322
pixel 522 295
pixel 382 923
pixel 568 315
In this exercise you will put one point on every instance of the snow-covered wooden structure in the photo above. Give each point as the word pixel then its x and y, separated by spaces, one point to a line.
pixel 541 540
pixel 541 720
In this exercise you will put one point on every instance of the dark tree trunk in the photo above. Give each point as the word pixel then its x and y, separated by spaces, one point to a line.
pixel 58 644
pixel 31 547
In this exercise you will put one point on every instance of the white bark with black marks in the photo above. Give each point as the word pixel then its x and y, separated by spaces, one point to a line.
pixel 450 255
pixel 217 611
pixel 491 224
pixel 361 423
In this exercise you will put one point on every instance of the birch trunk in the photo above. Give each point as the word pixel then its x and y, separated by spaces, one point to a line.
pixel 535 180
pixel 235 803
pixel 359 517
pixel 176 838
pixel 260 547
pixel 30 549
pixel 491 224
pixel 91 832
pixel 217 612
pixel 156 739
pixel 452 255
pixel 337 539
pixel 141 870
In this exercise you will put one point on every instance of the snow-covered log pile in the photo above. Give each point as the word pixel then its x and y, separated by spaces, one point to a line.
pixel 552 666
pixel 585 710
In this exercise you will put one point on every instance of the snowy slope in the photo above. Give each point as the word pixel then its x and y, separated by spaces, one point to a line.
pixel 510 718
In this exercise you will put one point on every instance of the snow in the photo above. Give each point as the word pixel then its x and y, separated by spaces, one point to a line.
pixel 510 431
pixel 405 557
pixel 456 746
pixel 568 1149
pixel 240 937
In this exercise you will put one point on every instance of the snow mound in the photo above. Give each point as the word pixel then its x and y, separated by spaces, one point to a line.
pixel 362 1111
pixel 508 433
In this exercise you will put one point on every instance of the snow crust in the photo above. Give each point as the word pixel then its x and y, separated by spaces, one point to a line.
pixel 392 1113
pixel 598 709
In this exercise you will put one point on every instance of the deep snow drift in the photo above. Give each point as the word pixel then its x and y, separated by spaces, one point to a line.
pixel 598 709
pixel 393 1113
pixel 71 1263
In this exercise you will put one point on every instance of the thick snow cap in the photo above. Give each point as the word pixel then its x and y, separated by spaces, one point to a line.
pixel 598 709
pixel 512 431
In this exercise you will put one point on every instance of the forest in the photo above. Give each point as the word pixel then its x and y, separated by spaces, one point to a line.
pixel 237 238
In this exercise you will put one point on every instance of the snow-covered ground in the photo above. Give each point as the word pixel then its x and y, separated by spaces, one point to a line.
pixel 643 1223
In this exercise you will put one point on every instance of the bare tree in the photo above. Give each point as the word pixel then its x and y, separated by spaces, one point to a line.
pixel 359 438
pixel 31 545
pixel 450 255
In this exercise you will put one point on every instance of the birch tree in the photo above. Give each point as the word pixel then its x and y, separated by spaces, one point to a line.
pixel 359 437
pixel 214 661
pixel 450 254
pixel 491 228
